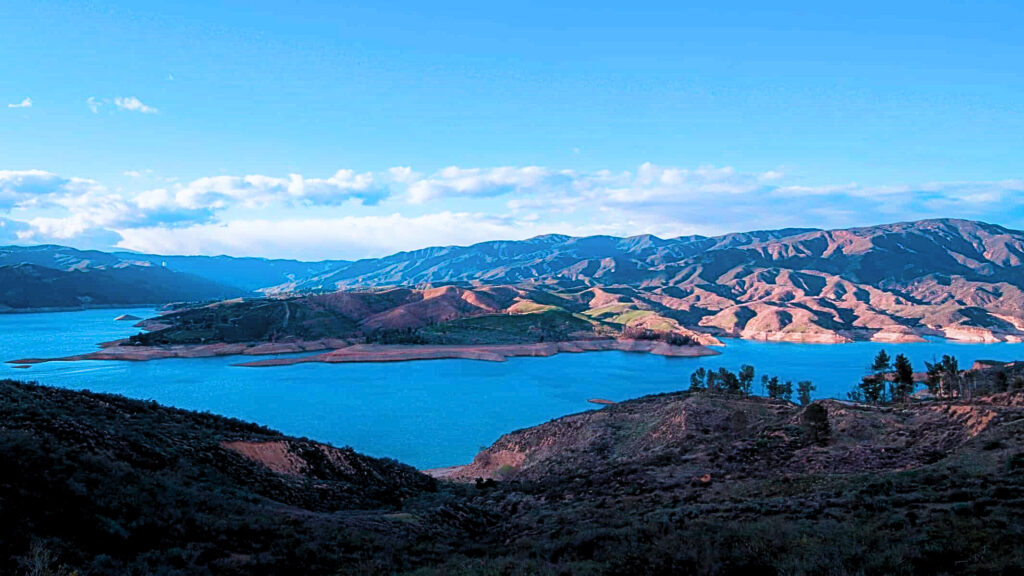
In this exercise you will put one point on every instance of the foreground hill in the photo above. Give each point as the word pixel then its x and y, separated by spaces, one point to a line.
pixel 677 483
pixel 116 486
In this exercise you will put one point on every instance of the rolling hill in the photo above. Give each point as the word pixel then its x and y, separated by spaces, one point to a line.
pixel 953 278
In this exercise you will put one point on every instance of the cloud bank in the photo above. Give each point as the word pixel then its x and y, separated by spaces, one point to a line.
pixel 352 214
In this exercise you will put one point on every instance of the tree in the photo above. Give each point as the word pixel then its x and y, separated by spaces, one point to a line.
pixel 881 366
pixel 777 390
pixel 882 363
pixel 711 382
pixel 814 421
pixel 746 377
pixel 803 391
pixel 871 390
pixel 787 391
pixel 697 379
pixel 934 378
pixel 944 378
pixel 728 382
pixel 903 383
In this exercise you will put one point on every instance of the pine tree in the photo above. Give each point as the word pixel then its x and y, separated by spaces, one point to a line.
pixel 787 391
pixel 903 383
pixel 882 363
pixel 728 382
pixel 803 391
pixel 697 379
pixel 746 377
pixel 944 378
pixel 872 389
pixel 778 390
pixel 711 381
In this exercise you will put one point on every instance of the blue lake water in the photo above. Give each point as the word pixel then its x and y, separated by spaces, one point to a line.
pixel 428 414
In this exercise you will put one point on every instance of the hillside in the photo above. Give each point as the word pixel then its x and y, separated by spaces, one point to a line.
pixel 29 286
pixel 448 316
pixel 116 486
pixel 598 260
pixel 244 275
pixel 897 282
pixel 676 483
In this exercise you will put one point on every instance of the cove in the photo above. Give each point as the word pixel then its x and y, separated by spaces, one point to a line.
pixel 430 413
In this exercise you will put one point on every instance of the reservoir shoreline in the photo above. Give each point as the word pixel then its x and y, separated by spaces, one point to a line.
pixel 343 351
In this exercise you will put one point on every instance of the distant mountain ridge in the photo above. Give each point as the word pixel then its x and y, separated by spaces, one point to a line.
pixel 59 277
pixel 613 259
pixel 946 277
pixel 901 251
pixel 246 274
pixel 32 287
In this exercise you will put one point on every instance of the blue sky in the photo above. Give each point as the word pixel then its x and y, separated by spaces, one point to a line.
pixel 353 129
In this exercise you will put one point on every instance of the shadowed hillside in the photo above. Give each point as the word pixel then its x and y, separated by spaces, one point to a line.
pixel 701 483
pixel 28 286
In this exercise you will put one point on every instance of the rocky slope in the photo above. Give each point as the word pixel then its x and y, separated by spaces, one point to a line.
pixel 676 483
pixel 897 282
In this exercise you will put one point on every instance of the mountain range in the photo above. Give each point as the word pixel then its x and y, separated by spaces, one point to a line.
pixel 955 278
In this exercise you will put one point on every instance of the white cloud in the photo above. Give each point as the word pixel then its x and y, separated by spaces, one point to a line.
pixel 93 104
pixel 403 174
pixel 26 103
pixel 19 187
pixel 345 185
pixel 346 237
pixel 133 104
pixel 348 212
pixel 455 181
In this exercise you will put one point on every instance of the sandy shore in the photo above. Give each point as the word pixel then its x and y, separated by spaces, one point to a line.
pixel 491 353
pixel 117 350
pixel 337 351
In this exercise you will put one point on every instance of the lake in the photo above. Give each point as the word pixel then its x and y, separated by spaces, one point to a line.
pixel 430 413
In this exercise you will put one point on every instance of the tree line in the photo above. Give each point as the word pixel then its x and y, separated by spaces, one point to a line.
pixel 890 380
pixel 741 383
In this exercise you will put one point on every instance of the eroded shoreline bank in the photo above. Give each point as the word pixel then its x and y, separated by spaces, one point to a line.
pixel 342 351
